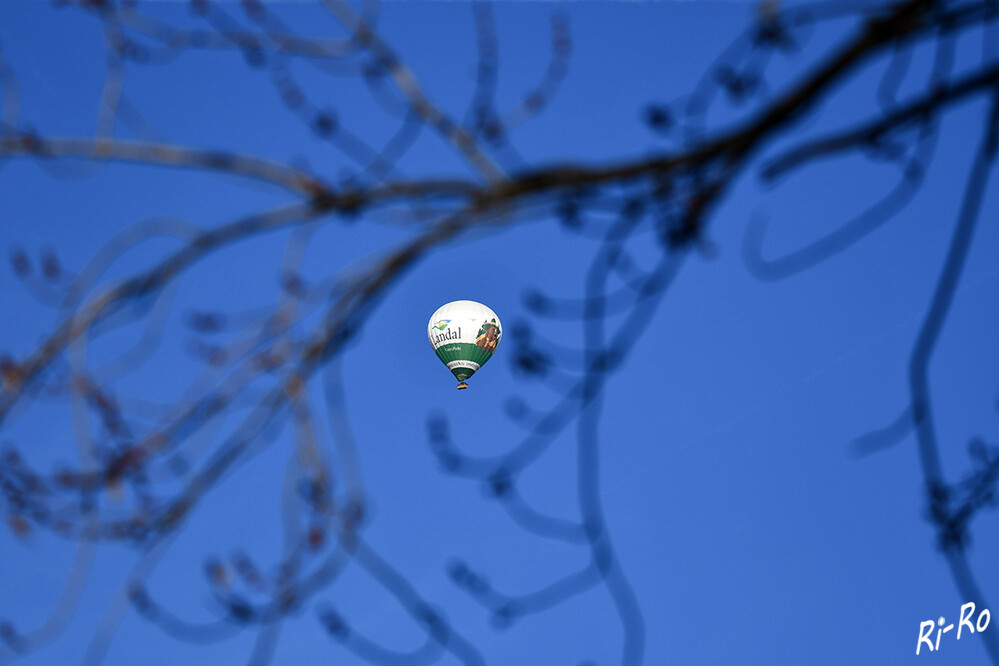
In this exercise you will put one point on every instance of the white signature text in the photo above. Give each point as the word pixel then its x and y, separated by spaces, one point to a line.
pixel 963 624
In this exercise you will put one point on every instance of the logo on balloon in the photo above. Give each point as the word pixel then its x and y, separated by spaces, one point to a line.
pixel 488 336
pixel 442 324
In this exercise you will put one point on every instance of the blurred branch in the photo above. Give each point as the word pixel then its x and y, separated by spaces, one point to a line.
pixel 873 132
pixel 113 150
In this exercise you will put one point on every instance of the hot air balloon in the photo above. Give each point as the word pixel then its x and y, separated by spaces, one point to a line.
pixel 464 334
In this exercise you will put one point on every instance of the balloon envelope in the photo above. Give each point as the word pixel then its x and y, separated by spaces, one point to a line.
pixel 464 335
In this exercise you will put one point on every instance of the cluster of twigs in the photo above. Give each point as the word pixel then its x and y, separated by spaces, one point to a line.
pixel 160 469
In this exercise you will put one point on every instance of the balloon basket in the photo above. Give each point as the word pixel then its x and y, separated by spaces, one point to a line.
pixel 462 385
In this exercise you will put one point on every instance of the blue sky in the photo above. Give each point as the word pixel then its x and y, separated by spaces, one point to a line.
pixel 747 528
